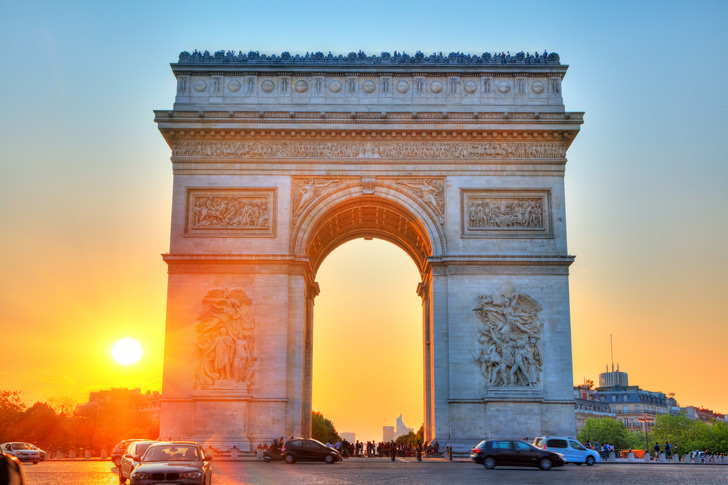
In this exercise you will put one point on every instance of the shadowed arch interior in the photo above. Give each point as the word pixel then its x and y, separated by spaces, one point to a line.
pixel 369 216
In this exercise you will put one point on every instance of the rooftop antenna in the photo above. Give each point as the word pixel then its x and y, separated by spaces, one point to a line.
pixel 612 347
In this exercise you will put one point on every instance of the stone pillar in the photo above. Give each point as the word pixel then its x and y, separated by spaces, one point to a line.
pixel 675 458
pixel 630 457
pixel 612 456
pixel 104 454
pixel 86 454
pixel 662 458
pixel 72 454
pixel 59 454
pixel 647 457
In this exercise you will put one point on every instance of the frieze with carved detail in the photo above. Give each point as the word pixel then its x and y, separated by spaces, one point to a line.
pixel 233 212
pixel 305 191
pixel 225 341
pixel 509 339
pixel 399 150
pixel 429 191
pixel 506 213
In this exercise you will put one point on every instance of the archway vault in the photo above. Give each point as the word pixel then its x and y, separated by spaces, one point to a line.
pixel 368 216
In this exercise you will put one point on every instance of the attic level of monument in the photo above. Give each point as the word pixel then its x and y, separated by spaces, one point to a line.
pixel 360 83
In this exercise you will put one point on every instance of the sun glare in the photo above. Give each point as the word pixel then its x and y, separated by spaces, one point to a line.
pixel 126 351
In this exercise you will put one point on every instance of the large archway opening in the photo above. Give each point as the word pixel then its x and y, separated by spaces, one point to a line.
pixel 367 339
pixel 375 219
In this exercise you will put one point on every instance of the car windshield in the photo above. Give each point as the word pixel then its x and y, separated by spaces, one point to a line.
pixel 141 448
pixel 171 453
pixel 21 446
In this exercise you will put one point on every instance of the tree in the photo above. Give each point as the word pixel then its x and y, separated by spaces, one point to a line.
pixel 323 429
pixel 685 434
pixel 607 430
pixel 412 438
pixel 11 411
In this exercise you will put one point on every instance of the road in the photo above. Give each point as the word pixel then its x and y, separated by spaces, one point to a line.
pixel 363 470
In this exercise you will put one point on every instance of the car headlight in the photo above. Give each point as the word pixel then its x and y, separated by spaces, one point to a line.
pixel 192 475
pixel 141 476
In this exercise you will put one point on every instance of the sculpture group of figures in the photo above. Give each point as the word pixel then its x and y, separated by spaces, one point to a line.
pixel 229 213
pixel 226 340
pixel 486 213
pixel 509 338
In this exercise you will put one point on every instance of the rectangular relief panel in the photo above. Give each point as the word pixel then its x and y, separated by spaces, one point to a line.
pixel 506 213
pixel 231 212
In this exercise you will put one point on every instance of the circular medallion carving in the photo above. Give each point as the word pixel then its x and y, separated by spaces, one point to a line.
pixel 267 86
pixel 335 86
pixel 403 86
pixel 234 86
pixel 504 87
pixel 301 86
pixel 470 87
pixel 368 87
pixel 200 85
pixel 436 87
pixel 538 87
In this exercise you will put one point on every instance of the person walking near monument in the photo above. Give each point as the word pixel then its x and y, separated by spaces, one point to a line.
pixel 668 450
pixel 392 450
pixel 419 451
pixel 657 450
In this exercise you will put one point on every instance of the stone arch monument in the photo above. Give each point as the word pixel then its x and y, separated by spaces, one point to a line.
pixel 459 160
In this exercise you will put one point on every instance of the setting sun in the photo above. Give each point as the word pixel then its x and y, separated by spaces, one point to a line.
pixel 126 351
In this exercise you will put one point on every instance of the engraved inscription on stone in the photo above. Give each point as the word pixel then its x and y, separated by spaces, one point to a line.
pixel 509 349
pixel 400 150
pixel 230 212
pixel 225 341
pixel 506 213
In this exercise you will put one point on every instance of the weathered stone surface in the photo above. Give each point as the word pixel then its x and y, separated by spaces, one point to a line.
pixel 278 160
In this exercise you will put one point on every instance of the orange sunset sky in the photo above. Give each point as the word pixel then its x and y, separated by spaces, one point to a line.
pixel 86 190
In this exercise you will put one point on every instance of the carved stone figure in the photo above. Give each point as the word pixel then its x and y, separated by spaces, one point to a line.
pixel 430 192
pixel 227 212
pixel 508 339
pixel 507 212
pixel 306 192
pixel 225 340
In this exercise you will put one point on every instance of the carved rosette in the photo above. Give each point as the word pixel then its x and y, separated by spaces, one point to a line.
pixel 230 212
pixel 509 339
pixel 225 341
pixel 344 150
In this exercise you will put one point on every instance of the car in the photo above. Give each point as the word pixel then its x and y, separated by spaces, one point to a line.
pixel 178 462
pixel 131 458
pixel 120 448
pixel 307 449
pixel 11 471
pixel 512 452
pixel 21 451
pixel 572 450
pixel 42 453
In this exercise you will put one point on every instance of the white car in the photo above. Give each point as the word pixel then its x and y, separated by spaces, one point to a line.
pixel 573 451
pixel 21 451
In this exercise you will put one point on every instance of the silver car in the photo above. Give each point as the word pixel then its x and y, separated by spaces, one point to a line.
pixel 21 451
pixel 131 458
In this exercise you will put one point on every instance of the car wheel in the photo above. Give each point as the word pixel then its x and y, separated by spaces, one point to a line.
pixel 545 464
pixel 489 462
pixel 290 459
pixel 329 459
pixel 590 460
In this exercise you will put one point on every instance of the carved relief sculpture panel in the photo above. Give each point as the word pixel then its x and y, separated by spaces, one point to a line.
pixel 508 213
pixel 213 212
pixel 225 340
pixel 509 335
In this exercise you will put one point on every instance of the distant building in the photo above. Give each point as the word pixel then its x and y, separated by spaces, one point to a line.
pixel 703 414
pixel 129 399
pixel 348 436
pixel 588 406
pixel 387 433
pixel 401 428
pixel 635 407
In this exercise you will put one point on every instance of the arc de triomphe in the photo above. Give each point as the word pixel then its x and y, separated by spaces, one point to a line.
pixel 459 160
